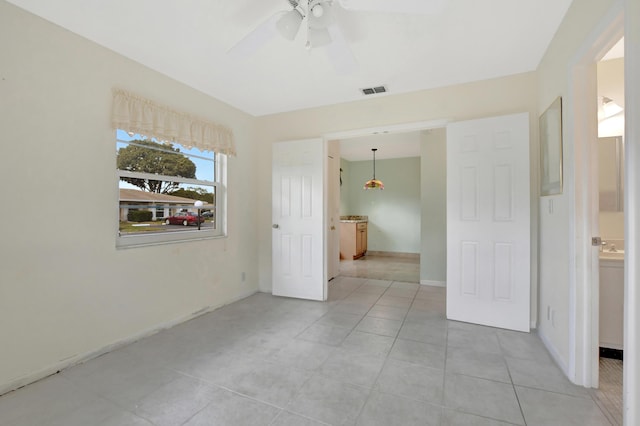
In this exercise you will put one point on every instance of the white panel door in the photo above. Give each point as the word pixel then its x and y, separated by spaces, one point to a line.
pixel 298 259
pixel 488 222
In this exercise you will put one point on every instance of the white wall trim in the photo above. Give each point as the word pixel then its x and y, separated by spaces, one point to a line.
pixel 631 379
pixel 394 128
pixel 433 283
pixel 80 358
pixel 553 351
pixel 581 134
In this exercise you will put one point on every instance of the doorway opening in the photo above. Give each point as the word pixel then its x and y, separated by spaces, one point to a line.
pixel 609 163
pixel 380 235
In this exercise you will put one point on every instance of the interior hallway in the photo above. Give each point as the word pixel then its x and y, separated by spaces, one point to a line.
pixel 377 353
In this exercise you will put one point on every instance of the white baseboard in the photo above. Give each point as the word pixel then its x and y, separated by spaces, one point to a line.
pixel 434 283
pixel 405 255
pixel 555 355
pixel 80 358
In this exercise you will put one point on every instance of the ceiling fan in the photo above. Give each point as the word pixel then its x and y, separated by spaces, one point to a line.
pixel 322 29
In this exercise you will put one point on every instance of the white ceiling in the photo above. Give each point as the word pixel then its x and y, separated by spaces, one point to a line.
pixel 392 145
pixel 617 51
pixel 188 40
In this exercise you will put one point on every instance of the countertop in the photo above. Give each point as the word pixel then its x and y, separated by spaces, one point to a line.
pixel 354 219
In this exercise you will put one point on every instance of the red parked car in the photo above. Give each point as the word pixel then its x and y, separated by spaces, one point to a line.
pixel 183 218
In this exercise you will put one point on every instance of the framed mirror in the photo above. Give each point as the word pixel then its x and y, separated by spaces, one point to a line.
pixel 551 149
pixel 611 173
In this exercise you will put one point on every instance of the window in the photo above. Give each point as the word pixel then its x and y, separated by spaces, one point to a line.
pixel 167 192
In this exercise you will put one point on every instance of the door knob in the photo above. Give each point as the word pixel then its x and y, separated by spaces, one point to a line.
pixel 275 226
pixel 333 228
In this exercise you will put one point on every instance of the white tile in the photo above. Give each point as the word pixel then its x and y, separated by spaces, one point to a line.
pixel 388 312
pixel 246 363
pixel 286 418
pixel 476 340
pixel 550 408
pixel 367 344
pixel 384 410
pixel 339 319
pixel 424 354
pixel 379 283
pixel 302 354
pixel 381 326
pixel 331 335
pixel 176 402
pixel 427 331
pixel 120 377
pixel 477 364
pixel 411 381
pixel 348 367
pixel 47 398
pixel 395 301
pixel 228 408
pixel 400 292
pixel 218 368
pixel 542 375
pixel 482 397
pixel 271 383
pixel 329 400
pixel 124 418
pixel 456 418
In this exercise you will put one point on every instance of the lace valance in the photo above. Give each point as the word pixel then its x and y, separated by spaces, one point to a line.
pixel 138 115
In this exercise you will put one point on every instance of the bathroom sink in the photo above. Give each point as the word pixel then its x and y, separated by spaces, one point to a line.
pixel 612 255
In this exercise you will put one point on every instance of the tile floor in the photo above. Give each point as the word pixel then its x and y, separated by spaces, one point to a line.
pixel 394 268
pixel 379 352
pixel 609 393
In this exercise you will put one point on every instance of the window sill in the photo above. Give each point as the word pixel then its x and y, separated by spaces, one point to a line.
pixel 134 241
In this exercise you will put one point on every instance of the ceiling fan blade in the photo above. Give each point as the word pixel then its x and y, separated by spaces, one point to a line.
pixel 340 54
pixel 257 38
pixel 418 7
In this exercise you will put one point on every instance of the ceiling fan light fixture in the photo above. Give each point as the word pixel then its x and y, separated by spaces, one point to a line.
pixel 319 14
pixel 318 37
pixel 289 24
pixel 317 10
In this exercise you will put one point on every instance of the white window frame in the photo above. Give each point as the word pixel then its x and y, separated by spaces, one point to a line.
pixel 157 238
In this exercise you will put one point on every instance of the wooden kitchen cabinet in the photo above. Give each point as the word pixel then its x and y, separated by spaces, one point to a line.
pixel 353 240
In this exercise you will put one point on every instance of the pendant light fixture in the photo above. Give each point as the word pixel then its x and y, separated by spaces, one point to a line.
pixel 374 183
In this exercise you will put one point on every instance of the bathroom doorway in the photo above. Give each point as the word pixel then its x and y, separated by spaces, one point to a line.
pixel 610 196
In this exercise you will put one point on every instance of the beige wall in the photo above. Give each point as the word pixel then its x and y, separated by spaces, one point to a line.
pixel 500 96
pixel 65 291
pixel 556 222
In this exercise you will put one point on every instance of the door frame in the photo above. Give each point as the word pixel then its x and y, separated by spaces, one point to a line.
pixel 631 393
pixel 582 128
pixel 368 131
pixel 622 19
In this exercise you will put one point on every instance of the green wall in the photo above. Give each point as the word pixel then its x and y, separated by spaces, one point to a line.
pixel 394 213
pixel 433 259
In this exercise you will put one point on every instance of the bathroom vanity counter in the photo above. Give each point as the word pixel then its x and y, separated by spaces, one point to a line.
pixel 353 237
pixel 612 300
